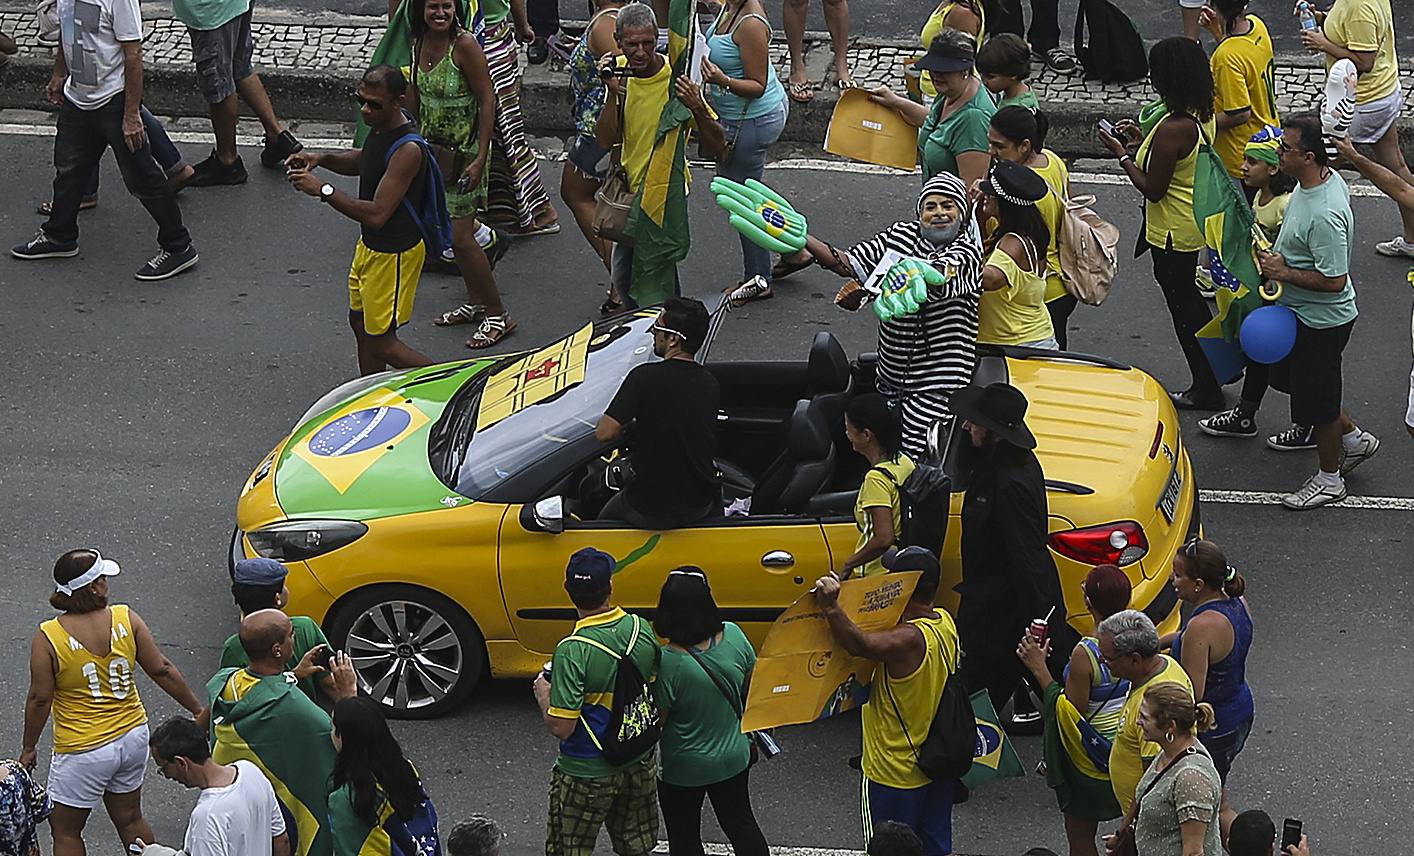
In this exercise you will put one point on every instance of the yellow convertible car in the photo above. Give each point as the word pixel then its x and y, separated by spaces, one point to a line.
pixel 426 515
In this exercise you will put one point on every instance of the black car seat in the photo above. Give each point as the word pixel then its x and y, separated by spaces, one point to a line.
pixel 831 384
pixel 803 469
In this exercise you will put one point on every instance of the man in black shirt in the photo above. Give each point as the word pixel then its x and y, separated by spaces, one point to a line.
pixel 387 262
pixel 672 405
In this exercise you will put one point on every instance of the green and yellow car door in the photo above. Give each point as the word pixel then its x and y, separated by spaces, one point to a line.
pixel 755 570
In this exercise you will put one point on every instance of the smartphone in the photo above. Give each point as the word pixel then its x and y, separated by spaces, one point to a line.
pixel 322 658
pixel 1290 833
pixel 1108 127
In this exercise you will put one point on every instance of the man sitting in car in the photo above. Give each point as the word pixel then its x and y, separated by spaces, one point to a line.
pixel 672 407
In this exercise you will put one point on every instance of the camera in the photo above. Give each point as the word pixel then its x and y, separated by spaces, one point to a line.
pixel 606 72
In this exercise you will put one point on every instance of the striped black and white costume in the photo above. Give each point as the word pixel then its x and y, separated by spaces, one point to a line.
pixel 923 357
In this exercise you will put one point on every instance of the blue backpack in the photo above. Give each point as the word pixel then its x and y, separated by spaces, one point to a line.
pixel 432 219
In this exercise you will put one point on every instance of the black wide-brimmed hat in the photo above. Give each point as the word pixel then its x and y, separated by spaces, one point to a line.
pixel 998 407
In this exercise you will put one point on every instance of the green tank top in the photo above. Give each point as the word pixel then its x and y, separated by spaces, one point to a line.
pixel 450 113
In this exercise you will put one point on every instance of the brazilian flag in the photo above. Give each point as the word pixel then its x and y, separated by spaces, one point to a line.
pixel 395 48
pixel 1082 788
pixel 273 725
pixel 994 757
pixel 658 220
pixel 1229 228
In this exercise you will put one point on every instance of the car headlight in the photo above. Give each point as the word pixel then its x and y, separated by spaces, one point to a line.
pixel 296 540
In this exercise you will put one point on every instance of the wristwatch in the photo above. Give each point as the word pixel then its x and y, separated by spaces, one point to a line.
pixel 326 192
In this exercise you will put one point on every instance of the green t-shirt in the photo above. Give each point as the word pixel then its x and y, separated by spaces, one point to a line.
pixel 495 11
pixel 1026 99
pixel 307 636
pixel 702 740
pixel 582 684
pixel 208 14
pixel 940 141
pixel 1317 234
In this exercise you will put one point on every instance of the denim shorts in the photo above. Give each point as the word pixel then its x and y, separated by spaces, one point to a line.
pixel 1225 748
pixel 591 159
pixel 223 56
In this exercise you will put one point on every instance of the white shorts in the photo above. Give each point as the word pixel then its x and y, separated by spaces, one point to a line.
pixel 1192 4
pixel 1373 119
pixel 80 779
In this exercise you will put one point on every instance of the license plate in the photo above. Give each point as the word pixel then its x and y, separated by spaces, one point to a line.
pixel 1168 503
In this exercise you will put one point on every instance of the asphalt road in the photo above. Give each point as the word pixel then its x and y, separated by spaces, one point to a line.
pixel 135 410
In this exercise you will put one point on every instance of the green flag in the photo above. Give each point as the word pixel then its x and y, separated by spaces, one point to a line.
pixel 995 757
pixel 275 726
pixel 658 221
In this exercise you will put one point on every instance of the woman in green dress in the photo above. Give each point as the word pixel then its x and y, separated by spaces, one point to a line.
pixel 452 97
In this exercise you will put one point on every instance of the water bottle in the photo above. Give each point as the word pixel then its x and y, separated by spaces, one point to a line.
pixel 1308 18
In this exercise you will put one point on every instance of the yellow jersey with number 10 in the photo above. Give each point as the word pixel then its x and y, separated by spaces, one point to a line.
pixel 95 698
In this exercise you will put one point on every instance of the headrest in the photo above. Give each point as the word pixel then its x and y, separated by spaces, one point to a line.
pixel 809 434
pixel 828 369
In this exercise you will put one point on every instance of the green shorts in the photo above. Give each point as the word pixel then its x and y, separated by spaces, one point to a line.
pixel 626 803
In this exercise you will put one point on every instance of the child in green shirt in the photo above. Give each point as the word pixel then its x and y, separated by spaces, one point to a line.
pixel 1004 62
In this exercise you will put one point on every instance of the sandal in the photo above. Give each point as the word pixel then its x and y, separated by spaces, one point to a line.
pixel 785 267
pixel 756 288
pixel 467 313
pixel 846 83
pixel 611 304
pixel 532 231
pixel 87 203
pixel 493 329
pixel 800 93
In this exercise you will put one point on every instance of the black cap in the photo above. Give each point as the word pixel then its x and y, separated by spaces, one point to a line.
pixel 912 559
pixel 946 54
pixel 1017 184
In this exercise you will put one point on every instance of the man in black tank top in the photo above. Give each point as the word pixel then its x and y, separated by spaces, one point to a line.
pixel 387 262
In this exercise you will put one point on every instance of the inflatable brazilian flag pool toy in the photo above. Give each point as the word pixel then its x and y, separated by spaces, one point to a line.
pixel 904 288
pixel 761 214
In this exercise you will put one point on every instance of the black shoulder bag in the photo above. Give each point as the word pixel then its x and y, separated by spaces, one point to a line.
pixel 763 743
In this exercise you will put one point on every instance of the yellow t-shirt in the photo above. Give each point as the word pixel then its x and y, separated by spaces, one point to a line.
pixel 95 698
pixel 1363 26
pixel 934 26
pixel 1270 214
pixel 1244 76
pixel 1171 218
pixel 1015 314
pixel 1052 210
pixel 1130 753
pixel 876 491
pixel 889 753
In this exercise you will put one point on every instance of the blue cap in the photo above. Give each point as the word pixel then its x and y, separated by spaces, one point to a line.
pixel 589 568
pixel 260 572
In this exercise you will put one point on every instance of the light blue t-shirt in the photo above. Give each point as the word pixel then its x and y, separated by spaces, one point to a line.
pixel 1318 233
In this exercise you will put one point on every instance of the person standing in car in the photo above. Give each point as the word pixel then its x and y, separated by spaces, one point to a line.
pixel 672 406
pixel 1008 575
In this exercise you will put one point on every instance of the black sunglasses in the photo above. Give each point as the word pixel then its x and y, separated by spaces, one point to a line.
pixel 370 103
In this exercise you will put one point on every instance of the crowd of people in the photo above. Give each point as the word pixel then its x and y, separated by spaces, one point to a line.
pixel 1139 729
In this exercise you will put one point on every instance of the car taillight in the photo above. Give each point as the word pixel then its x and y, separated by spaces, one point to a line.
pixel 1121 543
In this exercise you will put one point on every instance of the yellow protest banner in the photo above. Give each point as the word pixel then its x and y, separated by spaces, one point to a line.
pixel 802 674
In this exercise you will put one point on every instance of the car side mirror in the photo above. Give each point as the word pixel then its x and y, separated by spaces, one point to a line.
pixel 548 515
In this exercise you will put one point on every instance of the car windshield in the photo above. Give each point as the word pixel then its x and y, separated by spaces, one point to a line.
pixel 528 406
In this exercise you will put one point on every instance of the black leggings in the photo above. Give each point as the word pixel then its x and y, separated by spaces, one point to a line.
pixel 1059 310
pixel 731 802
pixel 1174 271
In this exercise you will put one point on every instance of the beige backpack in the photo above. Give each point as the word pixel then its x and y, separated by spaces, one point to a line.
pixel 1088 258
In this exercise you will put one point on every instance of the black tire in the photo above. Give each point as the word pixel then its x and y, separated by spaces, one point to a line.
pixel 418 682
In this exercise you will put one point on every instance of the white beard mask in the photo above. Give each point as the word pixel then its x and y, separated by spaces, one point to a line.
pixel 940 236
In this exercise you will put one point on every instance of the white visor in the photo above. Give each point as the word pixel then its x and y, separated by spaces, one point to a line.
pixel 101 568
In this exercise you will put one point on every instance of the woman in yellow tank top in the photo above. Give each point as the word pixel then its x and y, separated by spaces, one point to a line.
pixel 81 668
pixel 1163 169
pixel 1013 306
pixel 962 15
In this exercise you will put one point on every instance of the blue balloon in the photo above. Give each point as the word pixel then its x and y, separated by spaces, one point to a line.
pixel 1268 334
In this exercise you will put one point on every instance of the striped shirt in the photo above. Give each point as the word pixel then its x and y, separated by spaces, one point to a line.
pixel 935 349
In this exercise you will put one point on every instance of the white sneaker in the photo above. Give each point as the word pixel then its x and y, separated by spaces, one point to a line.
pixel 1396 247
pixel 1313 494
pixel 1352 458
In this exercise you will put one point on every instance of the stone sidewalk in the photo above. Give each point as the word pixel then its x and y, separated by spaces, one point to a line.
pixel 311 66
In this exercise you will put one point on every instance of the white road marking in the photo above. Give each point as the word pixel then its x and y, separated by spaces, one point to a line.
pixel 20 129
pixel 726 850
pixel 1261 497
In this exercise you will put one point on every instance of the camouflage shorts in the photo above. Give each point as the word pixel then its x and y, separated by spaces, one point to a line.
pixel 626 803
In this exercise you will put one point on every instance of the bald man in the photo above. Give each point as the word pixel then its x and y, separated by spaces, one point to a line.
pixel 259 714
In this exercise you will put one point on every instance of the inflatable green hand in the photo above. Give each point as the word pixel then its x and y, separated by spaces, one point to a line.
pixel 761 214
pixel 905 288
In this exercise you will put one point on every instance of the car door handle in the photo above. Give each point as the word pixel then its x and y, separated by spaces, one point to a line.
pixel 777 559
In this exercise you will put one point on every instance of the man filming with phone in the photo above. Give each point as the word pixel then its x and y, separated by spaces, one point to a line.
pixel 258 584
pixel 637 85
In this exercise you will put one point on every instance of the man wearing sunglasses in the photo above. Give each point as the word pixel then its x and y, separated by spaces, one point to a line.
pixel 387 262
pixel 672 408
pixel 1311 261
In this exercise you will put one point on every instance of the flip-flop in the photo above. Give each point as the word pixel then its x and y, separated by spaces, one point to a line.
pixel 85 204
pixel 785 267
pixel 532 231
pixel 846 84
pixel 800 93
